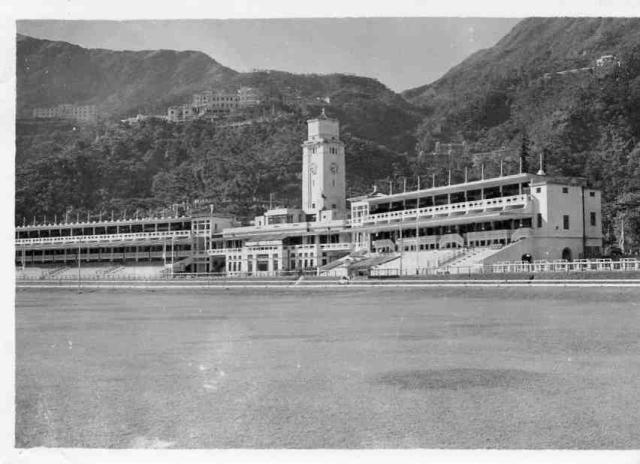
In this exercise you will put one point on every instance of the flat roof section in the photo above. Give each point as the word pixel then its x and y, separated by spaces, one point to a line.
pixel 472 185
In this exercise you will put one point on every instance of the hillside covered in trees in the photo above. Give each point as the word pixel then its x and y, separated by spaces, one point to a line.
pixel 586 122
pixel 156 164
pixel 234 164
pixel 514 97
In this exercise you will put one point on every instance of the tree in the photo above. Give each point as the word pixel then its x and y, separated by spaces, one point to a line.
pixel 524 152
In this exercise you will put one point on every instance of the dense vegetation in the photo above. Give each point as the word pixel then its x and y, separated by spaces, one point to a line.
pixel 155 165
pixel 65 168
pixel 587 124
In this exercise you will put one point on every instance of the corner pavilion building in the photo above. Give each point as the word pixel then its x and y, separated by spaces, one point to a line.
pixel 466 225
pixel 482 222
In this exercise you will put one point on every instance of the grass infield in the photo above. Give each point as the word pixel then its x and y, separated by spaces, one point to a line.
pixel 357 368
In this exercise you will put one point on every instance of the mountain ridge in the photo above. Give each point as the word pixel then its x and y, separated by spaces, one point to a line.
pixel 540 90
pixel 52 72
pixel 511 96
pixel 125 83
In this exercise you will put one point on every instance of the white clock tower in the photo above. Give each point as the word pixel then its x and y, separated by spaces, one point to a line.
pixel 323 169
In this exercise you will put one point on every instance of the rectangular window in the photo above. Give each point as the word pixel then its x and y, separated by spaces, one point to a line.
pixel 592 194
pixel 593 218
pixel 565 189
pixel 539 220
pixel 565 222
pixel 538 189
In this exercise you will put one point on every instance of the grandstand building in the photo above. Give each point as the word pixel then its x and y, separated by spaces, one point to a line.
pixel 508 218
pixel 468 225
pixel 146 246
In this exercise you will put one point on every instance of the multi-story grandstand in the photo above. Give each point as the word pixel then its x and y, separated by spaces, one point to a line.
pixel 469 225
pixel 141 247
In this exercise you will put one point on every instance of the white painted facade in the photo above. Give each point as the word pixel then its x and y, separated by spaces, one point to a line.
pixel 323 169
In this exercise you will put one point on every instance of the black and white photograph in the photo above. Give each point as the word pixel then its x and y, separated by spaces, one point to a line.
pixel 261 230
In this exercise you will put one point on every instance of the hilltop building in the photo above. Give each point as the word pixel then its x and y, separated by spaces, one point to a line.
pixel 604 65
pixel 213 104
pixel 607 60
pixel 466 225
pixel 80 113
pixel 248 96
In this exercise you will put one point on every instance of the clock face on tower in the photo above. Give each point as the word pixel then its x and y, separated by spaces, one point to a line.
pixel 333 168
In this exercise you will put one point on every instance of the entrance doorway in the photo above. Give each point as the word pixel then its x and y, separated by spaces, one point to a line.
pixel 566 254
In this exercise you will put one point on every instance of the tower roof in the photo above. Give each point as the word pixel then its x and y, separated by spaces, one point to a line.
pixel 323 117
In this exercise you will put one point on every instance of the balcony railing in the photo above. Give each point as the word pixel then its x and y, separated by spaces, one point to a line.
pixel 488 235
pixel 306 247
pixel 223 251
pixel 105 238
pixel 286 227
pixel 477 206
pixel 335 246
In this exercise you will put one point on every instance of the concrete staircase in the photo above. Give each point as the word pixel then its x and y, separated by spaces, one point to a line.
pixel 470 260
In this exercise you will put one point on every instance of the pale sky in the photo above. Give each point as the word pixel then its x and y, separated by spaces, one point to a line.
pixel 400 52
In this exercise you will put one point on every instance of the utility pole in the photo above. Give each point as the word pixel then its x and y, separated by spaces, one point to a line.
pixel 79 277
pixel 172 253
pixel 164 252
pixel 401 247
pixel 417 241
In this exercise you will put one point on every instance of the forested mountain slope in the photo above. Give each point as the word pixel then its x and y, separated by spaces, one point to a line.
pixel 585 121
